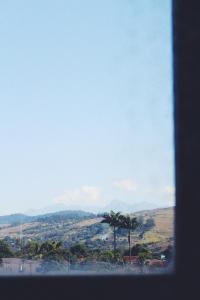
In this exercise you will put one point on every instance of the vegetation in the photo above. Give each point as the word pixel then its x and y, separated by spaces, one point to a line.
pixel 141 251
pixel 59 242
pixel 135 250
pixel 79 250
pixel 130 224
pixel 53 257
pixel 31 250
pixel 113 220
pixel 146 226
pixel 5 250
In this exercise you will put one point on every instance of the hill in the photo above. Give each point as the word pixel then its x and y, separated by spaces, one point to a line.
pixel 15 218
pixel 50 217
pixel 73 227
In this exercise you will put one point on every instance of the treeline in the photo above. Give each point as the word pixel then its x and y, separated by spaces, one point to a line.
pixel 54 257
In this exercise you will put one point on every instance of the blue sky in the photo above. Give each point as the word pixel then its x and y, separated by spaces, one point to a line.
pixel 85 103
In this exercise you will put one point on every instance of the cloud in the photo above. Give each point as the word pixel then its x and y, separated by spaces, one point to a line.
pixel 126 184
pixel 85 195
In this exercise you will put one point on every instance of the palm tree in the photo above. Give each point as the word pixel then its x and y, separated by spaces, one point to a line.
pixel 112 219
pixel 130 224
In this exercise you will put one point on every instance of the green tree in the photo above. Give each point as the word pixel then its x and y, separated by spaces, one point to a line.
pixel 108 256
pixel 31 250
pixel 78 250
pixel 130 224
pixel 5 250
pixel 135 250
pixel 51 250
pixel 112 219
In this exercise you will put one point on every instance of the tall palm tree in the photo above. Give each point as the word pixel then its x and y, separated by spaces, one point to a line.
pixel 130 224
pixel 112 219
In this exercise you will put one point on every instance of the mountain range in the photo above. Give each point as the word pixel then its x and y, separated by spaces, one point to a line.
pixel 62 210
pixel 21 218
pixel 115 205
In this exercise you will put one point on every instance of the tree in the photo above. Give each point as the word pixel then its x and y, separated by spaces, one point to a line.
pixel 51 250
pixel 5 250
pixel 106 256
pixel 135 250
pixel 31 250
pixel 78 250
pixel 112 219
pixel 130 224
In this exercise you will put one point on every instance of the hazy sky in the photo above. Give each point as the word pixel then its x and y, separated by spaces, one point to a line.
pixel 85 103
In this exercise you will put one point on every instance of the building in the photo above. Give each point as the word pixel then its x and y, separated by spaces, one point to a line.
pixel 19 266
pixel 134 260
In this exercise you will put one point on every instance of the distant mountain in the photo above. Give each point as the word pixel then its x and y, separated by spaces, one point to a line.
pixel 57 216
pixel 59 212
pixel 124 207
pixel 115 205
pixel 63 215
pixel 16 218
pixel 60 207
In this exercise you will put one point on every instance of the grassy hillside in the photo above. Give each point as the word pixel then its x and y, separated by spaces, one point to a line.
pixel 164 225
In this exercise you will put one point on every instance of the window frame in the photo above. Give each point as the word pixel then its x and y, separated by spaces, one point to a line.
pixel 186 50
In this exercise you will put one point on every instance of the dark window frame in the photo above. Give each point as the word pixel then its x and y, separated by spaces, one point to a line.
pixel 186 46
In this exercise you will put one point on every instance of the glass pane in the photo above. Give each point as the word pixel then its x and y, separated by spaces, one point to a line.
pixel 86 126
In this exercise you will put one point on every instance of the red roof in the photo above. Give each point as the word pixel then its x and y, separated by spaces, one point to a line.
pixel 155 263
pixel 133 259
